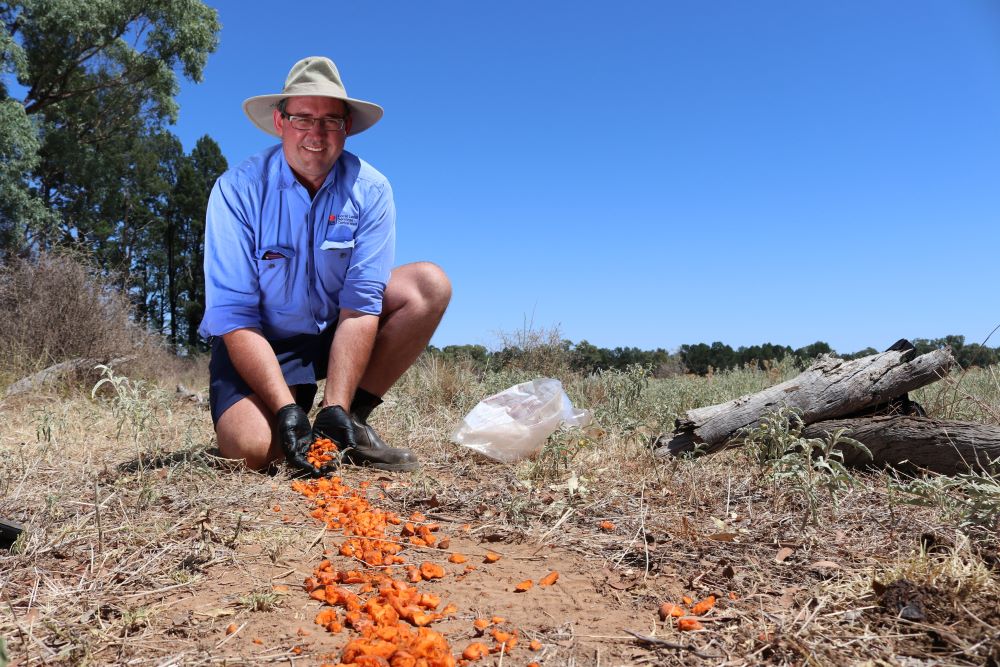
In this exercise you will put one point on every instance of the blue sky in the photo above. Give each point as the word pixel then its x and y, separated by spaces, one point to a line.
pixel 657 173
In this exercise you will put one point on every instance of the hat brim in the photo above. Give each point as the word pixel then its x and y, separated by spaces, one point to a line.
pixel 260 111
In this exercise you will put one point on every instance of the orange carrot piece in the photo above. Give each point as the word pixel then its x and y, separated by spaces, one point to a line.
pixel 475 651
pixel 667 610
pixel 549 579
pixel 491 557
pixel 704 606
pixel 524 586
pixel 430 570
pixel 689 624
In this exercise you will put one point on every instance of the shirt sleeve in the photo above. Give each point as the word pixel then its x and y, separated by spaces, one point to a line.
pixel 374 253
pixel 232 296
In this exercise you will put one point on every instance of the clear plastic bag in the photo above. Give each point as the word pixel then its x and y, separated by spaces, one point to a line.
pixel 514 424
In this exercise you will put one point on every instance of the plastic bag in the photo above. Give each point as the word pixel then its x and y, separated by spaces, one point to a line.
pixel 514 424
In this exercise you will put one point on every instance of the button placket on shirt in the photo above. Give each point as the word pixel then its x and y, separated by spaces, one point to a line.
pixel 322 202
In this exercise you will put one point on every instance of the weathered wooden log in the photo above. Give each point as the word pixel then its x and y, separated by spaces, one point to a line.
pixel 830 388
pixel 916 443
pixel 55 373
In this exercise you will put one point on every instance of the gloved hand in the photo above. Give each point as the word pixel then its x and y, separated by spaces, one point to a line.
pixel 334 423
pixel 296 436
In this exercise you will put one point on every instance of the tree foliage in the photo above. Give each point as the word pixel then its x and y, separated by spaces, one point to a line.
pixel 86 157
pixel 98 81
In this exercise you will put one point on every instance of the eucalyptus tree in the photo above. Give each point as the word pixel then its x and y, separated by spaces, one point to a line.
pixel 87 91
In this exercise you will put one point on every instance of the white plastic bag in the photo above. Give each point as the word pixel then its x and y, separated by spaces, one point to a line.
pixel 514 424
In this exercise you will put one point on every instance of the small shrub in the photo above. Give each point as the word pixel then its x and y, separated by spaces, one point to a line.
pixel 57 308
pixel 134 406
pixel 260 601
pixel 618 398
pixel 969 500
pixel 802 468
pixel 538 352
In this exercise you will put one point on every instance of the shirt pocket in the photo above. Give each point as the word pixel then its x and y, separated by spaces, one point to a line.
pixel 337 248
pixel 274 274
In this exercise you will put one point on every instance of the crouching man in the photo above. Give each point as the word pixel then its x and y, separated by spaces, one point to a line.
pixel 299 246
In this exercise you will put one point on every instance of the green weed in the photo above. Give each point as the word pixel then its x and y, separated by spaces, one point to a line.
pixel 806 469
pixel 260 601
pixel 133 405
pixel 969 500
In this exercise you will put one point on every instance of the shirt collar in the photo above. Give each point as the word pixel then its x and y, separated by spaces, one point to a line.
pixel 286 179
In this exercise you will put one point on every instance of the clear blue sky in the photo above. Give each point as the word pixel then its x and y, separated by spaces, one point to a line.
pixel 657 173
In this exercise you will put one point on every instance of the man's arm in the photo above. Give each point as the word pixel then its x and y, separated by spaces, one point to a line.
pixel 254 360
pixel 349 354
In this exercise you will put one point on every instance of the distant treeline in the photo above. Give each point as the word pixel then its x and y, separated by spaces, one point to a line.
pixel 700 358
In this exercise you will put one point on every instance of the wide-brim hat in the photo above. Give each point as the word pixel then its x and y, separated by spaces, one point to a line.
pixel 312 76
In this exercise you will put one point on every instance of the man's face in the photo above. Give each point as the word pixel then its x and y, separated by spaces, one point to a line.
pixel 311 153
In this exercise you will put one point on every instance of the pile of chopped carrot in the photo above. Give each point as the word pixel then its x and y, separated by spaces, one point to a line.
pixel 322 451
pixel 390 615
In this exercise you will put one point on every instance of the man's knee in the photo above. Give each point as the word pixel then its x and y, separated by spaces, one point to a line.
pixel 244 431
pixel 421 285
pixel 433 284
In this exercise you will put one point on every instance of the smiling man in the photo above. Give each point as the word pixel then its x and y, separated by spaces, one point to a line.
pixel 299 246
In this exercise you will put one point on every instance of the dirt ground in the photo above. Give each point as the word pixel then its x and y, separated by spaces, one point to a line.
pixel 145 549
pixel 579 618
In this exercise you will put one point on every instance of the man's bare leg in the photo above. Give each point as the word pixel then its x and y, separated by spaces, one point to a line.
pixel 246 431
pixel 414 302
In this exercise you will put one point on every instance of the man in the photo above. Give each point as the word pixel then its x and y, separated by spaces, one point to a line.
pixel 299 243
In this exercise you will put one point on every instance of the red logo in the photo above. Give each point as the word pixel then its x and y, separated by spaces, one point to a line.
pixel 333 218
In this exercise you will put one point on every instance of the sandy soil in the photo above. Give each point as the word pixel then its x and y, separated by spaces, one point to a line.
pixel 578 619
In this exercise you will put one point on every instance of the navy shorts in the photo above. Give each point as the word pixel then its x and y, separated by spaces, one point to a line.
pixel 303 360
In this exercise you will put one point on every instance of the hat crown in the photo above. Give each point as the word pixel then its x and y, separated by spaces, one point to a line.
pixel 312 75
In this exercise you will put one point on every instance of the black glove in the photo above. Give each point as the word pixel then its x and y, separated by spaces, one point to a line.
pixel 296 436
pixel 334 423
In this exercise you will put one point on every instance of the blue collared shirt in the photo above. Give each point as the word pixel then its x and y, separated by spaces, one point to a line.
pixel 278 261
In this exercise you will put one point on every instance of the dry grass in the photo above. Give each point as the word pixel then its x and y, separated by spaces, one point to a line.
pixel 128 514
pixel 59 308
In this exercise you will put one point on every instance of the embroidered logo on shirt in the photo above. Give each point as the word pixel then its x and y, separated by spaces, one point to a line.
pixel 333 218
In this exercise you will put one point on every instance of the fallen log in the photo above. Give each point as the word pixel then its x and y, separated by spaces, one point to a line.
pixel 830 388
pixel 915 443
pixel 55 373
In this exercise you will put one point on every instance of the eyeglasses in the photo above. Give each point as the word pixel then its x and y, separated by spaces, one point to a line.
pixel 326 123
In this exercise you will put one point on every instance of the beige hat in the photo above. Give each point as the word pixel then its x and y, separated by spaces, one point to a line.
pixel 312 76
